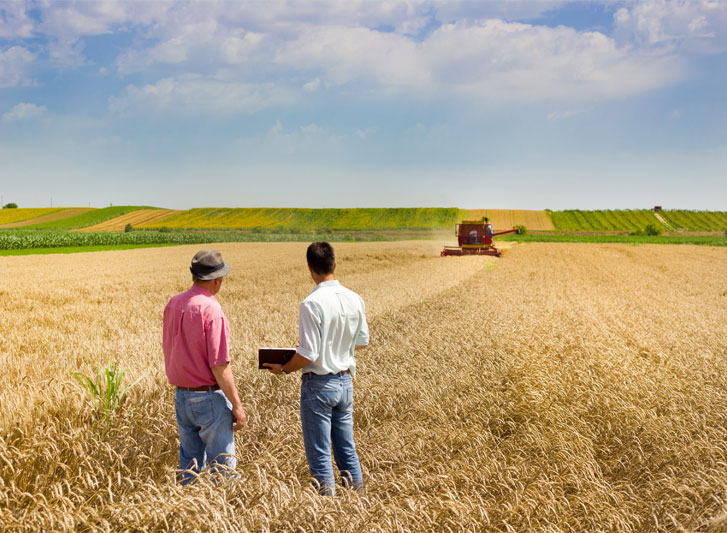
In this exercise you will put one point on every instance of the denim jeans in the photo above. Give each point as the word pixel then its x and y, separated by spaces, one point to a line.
pixel 326 415
pixel 204 421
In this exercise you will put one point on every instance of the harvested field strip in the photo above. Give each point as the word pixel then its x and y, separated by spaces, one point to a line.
pixel 90 218
pixel 61 214
pixel 554 391
pixel 20 214
pixel 507 218
pixel 310 219
pixel 135 218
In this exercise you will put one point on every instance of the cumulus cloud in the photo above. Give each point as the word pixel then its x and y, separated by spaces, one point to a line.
pixel 488 60
pixel 24 111
pixel 692 25
pixel 14 21
pixel 14 65
pixel 194 95
pixel 420 48
pixel 345 54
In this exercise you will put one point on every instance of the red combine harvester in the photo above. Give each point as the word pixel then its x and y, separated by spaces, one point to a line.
pixel 475 238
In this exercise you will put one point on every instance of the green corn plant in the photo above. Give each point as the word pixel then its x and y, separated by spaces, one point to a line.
pixel 107 393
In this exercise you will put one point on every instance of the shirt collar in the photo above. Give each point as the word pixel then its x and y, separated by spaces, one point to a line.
pixel 196 289
pixel 331 283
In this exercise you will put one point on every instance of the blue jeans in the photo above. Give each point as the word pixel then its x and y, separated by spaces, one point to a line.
pixel 204 421
pixel 326 415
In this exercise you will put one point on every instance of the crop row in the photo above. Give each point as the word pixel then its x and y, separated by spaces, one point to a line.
pixel 90 218
pixel 696 220
pixel 309 219
pixel 28 239
pixel 603 220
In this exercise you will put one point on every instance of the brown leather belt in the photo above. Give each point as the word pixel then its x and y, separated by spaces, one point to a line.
pixel 200 389
pixel 331 374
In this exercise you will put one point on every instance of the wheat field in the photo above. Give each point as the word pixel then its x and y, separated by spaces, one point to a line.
pixel 140 217
pixel 563 387
pixel 507 218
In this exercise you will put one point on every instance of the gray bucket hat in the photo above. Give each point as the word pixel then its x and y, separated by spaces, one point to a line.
pixel 208 264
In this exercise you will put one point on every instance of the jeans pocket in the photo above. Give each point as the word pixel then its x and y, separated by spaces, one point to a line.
pixel 322 400
pixel 202 410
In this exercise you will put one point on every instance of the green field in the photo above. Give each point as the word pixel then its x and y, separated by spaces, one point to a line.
pixel 696 220
pixel 209 225
pixel 89 219
pixel 603 220
pixel 313 219
pixel 13 240
pixel 637 219
pixel 708 240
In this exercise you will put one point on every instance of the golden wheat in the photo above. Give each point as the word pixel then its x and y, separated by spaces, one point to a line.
pixel 562 388
pixel 507 218
pixel 140 217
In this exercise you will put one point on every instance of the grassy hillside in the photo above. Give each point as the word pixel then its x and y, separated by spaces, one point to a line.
pixel 696 220
pixel 90 218
pixel 603 220
pixel 635 219
pixel 309 219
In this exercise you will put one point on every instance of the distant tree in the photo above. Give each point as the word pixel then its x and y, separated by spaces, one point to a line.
pixel 652 229
pixel 128 228
pixel 11 205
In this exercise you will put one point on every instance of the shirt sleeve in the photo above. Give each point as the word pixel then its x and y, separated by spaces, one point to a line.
pixel 309 331
pixel 217 334
pixel 362 339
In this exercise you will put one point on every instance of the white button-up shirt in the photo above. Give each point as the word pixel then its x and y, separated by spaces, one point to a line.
pixel 332 322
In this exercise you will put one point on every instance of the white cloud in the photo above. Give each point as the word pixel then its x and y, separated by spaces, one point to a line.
pixel 66 23
pixel 312 85
pixel 195 95
pixel 692 25
pixel 14 21
pixel 500 60
pixel 24 111
pixel 344 55
pixel 490 60
pixel 14 65
pixel 415 48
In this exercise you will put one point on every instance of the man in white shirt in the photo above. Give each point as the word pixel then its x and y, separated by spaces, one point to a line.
pixel 332 325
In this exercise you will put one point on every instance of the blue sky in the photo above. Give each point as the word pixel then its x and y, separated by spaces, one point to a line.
pixel 363 103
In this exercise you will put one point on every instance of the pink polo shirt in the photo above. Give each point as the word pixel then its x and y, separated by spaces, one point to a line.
pixel 196 338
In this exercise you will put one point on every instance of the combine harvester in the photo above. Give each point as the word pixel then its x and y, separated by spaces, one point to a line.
pixel 475 238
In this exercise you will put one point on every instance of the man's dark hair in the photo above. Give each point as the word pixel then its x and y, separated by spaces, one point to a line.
pixel 321 257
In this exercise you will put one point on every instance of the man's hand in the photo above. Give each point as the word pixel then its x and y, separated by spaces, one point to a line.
pixel 239 418
pixel 274 368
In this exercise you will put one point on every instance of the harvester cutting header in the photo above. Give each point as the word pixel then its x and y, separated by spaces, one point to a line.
pixel 475 238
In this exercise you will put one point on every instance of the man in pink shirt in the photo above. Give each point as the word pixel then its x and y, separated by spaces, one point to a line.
pixel 196 358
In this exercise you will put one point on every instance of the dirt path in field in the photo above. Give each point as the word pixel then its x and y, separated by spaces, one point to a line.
pixel 661 219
